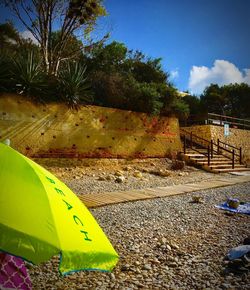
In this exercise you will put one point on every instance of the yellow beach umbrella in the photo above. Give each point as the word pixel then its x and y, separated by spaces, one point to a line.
pixel 41 217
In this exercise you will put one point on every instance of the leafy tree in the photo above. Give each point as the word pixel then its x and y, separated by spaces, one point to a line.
pixel 228 100
pixel 9 37
pixel 215 100
pixel 194 104
pixel 109 58
pixel 109 89
pixel 147 70
pixel 5 75
pixel 39 17
pixel 72 50
pixel 238 96
pixel 173 104
pixel 142 97
pixel 128 80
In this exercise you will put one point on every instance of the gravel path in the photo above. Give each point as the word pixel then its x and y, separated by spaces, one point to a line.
pixel 165 243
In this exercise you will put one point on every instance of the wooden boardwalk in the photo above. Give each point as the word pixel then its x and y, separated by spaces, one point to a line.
pixel 102 199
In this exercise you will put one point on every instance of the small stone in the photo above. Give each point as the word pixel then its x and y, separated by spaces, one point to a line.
pixel 163 241
pixel 119 173
pixel 137 174
pixel 197 199
pixel 172 264
pixel 163 173
pixel 174 246
pixel 120 179
pixel 109 177
pixel 138 284
pixel 125 268
pixel 147 267
pixel 169 248
pixel 59 284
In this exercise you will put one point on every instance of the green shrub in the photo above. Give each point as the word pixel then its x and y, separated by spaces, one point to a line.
pixel 109 89
pixel 143 97
pixel 5 75
pixel 27 76
pixel 72 85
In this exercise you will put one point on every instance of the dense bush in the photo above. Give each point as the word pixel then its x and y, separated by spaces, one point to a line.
pixel 27 77
pixel 72 84
pixel 143 97
pixel 128 80
pixel 107 75
pixel 24 75
pixel 228 100
pixel 5 75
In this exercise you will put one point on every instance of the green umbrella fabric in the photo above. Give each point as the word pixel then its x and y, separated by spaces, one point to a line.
pixel 41 217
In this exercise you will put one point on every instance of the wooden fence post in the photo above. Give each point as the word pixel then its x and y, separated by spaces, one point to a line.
pixel 233 159
pixel 208 155
pixel 211 149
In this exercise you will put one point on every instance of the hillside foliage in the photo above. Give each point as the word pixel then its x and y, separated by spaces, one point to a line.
pixel 107 75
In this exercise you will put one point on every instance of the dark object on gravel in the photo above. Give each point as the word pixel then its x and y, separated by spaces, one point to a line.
pixel 246 241
pixel 177 164
pixel 238 259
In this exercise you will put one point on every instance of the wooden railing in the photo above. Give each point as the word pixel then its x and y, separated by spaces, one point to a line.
pixel 229 151
pixel 216 119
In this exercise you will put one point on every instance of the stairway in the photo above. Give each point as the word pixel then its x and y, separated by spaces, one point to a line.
pixel 217 157
pixel 218 163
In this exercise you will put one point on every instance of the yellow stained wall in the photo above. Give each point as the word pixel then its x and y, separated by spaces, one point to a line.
pixel 56 131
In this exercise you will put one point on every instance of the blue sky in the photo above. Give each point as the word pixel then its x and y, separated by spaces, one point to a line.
pixel 212 35
pixel 200 41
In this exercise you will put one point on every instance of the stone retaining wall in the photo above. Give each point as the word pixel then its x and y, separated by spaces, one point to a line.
pixel 56 131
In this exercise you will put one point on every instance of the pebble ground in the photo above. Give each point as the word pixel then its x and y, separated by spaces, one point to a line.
pixel 164 243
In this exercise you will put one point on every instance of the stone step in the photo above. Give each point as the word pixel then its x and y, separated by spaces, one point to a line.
pixel 201 150
pixel 205 153
pixel 223 170
pixel 194 155
pixel 202 153
pixel 218 162
pixel 204 159
pixel 219 166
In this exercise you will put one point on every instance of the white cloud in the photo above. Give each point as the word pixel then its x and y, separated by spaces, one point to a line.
pixel 174 74
pixel 222 73
pixel 26 34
